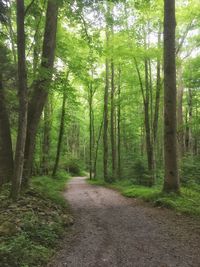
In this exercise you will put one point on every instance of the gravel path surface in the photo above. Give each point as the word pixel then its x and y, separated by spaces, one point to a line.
pixel 111 230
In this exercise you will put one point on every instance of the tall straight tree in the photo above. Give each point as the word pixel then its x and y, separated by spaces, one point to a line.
pixel 41 85
pixel 46 138
pixel 6 155
pixel 61 132
pixel 22 92
pixel 105 125
pixel 106 97
pixel 171 182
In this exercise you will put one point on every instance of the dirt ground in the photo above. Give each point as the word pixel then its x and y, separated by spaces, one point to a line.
pixel 111 230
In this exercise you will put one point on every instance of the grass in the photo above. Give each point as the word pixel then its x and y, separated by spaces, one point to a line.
pixel 31 228
pixel 51 187
pixel 188 202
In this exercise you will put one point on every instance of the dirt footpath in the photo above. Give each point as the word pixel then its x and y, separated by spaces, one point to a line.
pixel 111 230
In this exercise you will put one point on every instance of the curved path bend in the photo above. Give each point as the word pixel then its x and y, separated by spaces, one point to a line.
pixel 113 231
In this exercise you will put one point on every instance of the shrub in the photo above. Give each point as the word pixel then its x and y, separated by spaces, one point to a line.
pixel 140 172
pixel 190 170
pixel 74 166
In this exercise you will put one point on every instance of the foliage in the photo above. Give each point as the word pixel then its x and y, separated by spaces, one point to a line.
pixel 74 166
pixel 51 188
pixel 190 171
pixel 31 228
pixel 188 202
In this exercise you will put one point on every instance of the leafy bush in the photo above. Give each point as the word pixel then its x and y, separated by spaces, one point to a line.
pixel 190 170
pixel 74 166
pixel 140 173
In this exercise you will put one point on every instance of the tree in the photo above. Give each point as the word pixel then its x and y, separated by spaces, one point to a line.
pixel 6 156
pixel 46 138
pixel 23 98
pixel 171 181
pixel 41 86
pixel 61 130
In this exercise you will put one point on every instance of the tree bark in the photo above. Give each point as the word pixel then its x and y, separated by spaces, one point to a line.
pixel 188 132
pixel 112 121
pixel 46 138
pixel 119 126
pixel 40 91
pixel 105 132
pixel 91 131
pixel 171 182
pixel 145 97
pixel 149 143
pixel 106 96
pixel 97 149
pixel 61 132
pixel 6 155
pixel 180 113
pixel 23 98
pixel 157 102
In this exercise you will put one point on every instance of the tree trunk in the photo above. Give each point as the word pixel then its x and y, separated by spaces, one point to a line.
pixel 149 145
pixel 180 113
pixel 119 127
pixel 145 97
pixel 40 91
pixel 105 133
pixel 157 102
pixel 171 182
pixel 112 121
pixel 97 149
pixel 46 138
pixel 188 134
pixel 60 138
pixel 23 97
pixel 6 155
pixel 106 96
pixel 91 124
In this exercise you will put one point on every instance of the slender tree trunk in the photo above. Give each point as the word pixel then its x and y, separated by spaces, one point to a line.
pixel 97 149
pixel 106 96
pixel 105 132
pixel 157 101
pixel 112 121
pixel 180 113
pixel 145 97
pixel 91 130
pixel 119 127
pixel 188 134
pixel 149 145
pixel 40 92
pixel 171 182
pixel 60 138
pixel 6 155
pixel 22 91
pixel 46 138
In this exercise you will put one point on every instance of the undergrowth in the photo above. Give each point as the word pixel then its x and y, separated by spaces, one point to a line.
pixel 187 202
pixel 31 228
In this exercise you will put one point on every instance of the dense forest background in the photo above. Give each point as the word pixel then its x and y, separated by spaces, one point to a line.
pixel 92 72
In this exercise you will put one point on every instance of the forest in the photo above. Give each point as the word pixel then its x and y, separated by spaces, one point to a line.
pixel 107 90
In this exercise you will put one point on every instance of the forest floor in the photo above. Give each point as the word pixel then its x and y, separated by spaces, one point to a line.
pixel 111 230
pixel 31 229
